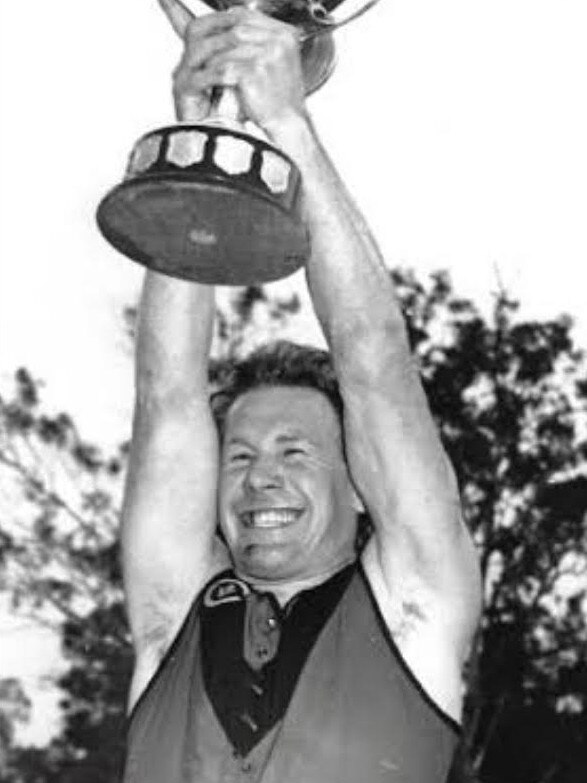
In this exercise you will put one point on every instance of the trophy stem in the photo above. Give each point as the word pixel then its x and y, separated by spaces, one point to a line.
pixel 225 107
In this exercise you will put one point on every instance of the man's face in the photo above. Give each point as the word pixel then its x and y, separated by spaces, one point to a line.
pixel 285 499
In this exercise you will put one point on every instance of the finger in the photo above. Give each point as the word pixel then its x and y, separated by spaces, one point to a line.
pixel 235 59
pixel 193 108
pixel 246 33
pixel 196 55
pixel 198 83
pixel 210 24
pixel 262 22
pixel 203 43
pixel 218 73
pixel 178 14
pixel 255 27
pixel 226 74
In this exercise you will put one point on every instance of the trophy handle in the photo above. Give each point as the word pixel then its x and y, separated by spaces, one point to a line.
pixel 325 23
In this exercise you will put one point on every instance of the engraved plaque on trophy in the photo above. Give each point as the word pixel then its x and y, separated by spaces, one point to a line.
pixel 212 202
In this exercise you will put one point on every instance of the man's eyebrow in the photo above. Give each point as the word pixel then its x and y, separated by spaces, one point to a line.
pixel 294 436
pixel 238 440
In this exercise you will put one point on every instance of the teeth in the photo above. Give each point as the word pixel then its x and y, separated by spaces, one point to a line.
pixel 271 518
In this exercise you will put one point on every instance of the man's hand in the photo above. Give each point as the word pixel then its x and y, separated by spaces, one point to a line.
pixel 242 49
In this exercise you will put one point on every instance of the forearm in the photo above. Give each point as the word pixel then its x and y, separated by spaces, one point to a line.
pixel 357 305
pixel 169 509
pixel 350 286
pixel 173 341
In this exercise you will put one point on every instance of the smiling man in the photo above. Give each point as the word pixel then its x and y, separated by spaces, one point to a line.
pixel 286 498
pixel 281 651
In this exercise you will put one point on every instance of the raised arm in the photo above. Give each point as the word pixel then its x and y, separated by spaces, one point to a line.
pixel 169 511
pixel 421 562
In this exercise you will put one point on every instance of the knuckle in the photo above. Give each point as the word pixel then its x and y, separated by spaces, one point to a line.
pixel 281 45
pixel 289 34
pixel 231 73
pixel 193 28
pixel 177 77
pixel 271 56
pixel 193 33
pixel 236 35
pixel 290 41
pixel 260 66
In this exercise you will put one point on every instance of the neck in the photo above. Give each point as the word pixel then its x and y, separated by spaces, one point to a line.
pixel 285 589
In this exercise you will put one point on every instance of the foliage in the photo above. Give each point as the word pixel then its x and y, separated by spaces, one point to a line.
pixel 15 708
pixel 509 398
pixel 59 565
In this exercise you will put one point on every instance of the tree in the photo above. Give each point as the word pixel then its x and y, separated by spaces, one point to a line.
pixel 509 398
pixel 59 553
pixel 14 708
pixel 59 559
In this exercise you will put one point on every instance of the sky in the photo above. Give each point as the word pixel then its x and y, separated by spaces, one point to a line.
pixel 459 126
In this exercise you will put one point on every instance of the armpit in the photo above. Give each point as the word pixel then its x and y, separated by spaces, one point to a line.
pixel 161 615
pixel 420 637
pixel 409 616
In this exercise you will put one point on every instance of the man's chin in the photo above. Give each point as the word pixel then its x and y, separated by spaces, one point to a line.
pixel 271 563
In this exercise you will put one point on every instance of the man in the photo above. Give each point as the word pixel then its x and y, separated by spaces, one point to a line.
pixel 300 663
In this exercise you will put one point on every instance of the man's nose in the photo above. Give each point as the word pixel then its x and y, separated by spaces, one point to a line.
pixel 264 473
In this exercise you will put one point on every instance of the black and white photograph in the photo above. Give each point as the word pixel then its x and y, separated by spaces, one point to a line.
pixel 293 391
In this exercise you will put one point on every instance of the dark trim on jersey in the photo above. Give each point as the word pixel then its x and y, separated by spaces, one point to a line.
pixel 250 666
pixel 444 716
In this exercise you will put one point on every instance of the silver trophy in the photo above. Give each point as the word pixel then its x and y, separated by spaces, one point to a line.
pixel 211 202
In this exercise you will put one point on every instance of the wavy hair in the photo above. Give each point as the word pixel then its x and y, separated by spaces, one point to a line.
pixel 282 363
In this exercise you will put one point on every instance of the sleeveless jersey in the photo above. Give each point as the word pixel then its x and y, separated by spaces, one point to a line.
pixel 357 715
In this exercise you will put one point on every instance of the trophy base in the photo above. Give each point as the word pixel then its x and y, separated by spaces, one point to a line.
pixel 208 204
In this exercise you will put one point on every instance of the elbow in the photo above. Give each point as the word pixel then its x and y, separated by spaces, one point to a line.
pixel 168 390
pixel 154 402
pixel 368 332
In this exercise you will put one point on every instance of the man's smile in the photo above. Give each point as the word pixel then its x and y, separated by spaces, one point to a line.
pixel 269 517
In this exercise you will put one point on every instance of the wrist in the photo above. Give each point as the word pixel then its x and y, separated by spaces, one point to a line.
pixel 294 134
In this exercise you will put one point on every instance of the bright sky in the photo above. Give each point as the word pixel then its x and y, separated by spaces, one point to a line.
pixel 460 127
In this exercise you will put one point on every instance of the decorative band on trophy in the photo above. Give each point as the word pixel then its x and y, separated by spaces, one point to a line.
pixel 211 202
pixel 186 147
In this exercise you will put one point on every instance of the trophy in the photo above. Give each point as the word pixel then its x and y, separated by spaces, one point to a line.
pixel 212 202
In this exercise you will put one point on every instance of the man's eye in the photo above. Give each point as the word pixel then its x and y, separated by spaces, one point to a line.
pixel 293 451
pixel 239 458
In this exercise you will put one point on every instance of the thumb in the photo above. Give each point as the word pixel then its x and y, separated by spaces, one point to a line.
pixel 178 14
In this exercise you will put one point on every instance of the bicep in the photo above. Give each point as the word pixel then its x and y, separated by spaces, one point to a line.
pixel 395 455
pixel 423 548
pixel 168 518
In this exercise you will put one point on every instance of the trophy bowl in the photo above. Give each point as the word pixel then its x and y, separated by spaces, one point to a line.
pixel 210 202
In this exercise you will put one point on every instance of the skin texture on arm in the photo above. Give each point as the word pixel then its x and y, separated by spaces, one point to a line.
pixel 169 549
pixel 169 509
pixel 421 561
pixel 169 512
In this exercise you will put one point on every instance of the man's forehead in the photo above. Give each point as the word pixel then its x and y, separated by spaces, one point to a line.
pixel 287 412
